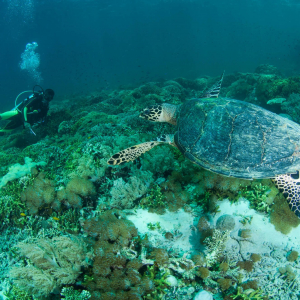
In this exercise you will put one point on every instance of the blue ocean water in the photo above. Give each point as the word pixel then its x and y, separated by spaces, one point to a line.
pixel 159 215
pixel 91 45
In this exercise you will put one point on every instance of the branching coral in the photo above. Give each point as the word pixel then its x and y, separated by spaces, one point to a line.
pixel 257 195
pixel 215 245
pixel 159 280
pixel 154 199
pixel 124 193
pixel 248 294
pixel 70 294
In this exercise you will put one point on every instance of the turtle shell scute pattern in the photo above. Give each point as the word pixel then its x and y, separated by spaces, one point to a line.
pixel 238 139
pixel 290 188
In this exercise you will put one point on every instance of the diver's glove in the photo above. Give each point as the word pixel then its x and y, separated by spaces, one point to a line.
pixel 27 125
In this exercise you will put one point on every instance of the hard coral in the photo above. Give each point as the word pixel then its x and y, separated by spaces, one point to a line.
pixel 70 294
pixel 215 246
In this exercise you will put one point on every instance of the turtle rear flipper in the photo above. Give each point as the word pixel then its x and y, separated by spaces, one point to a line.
pixel 289 184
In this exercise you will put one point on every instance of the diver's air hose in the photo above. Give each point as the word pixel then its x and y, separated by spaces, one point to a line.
pixel 16 106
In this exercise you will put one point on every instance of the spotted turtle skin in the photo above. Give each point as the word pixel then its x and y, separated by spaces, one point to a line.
pixel 237 138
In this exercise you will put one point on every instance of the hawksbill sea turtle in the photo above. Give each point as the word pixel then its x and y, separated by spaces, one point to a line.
pixel 229 137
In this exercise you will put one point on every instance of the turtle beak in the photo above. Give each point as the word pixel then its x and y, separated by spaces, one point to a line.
pixel 144 113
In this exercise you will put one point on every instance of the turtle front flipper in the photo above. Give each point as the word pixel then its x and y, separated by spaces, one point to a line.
pixel 289 184
pixel 134 152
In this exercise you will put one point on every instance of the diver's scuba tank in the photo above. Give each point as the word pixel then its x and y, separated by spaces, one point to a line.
pixel 34 94
pixel 23 104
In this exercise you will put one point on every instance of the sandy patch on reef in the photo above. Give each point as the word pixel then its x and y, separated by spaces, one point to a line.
pixel 181 224
pixel 262 231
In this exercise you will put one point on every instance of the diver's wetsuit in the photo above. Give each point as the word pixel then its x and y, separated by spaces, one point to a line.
pixel 37 109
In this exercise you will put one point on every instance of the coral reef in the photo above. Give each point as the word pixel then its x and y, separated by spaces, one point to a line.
pixel 17 171
pixel 71 294
pixel 65 200
pixel 292 107
pixel 53 263
pixel 116 265
pixel 124 194
pixel 41 192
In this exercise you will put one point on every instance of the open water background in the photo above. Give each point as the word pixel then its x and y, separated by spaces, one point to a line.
pixel 102 44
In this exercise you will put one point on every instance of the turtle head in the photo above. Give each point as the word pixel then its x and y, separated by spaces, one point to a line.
pixel 152 113
pixel 160 113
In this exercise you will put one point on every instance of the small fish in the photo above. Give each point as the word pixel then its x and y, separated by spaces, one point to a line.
pixel 23 215
pixel 55 218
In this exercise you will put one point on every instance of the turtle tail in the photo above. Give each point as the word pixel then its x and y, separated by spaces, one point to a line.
pixel 289 184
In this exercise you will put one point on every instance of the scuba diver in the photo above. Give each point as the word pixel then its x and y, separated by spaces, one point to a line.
pixel 30 111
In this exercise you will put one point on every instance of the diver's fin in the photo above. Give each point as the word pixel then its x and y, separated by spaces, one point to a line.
pixel 289 185
pixel 214 91
pixel 8 114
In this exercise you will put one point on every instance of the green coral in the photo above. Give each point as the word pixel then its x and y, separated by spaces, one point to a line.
pixel 249 294
pixel 159 279
pixel 16 294
pixel 257 196
pixel 53 121
pixel 240 89
pixel 270 87
pixel 154 199
pixel 204 201
pixel 68 221
pixel 70 294
pixel 12 209
pixel 153 226
pixel 292 106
